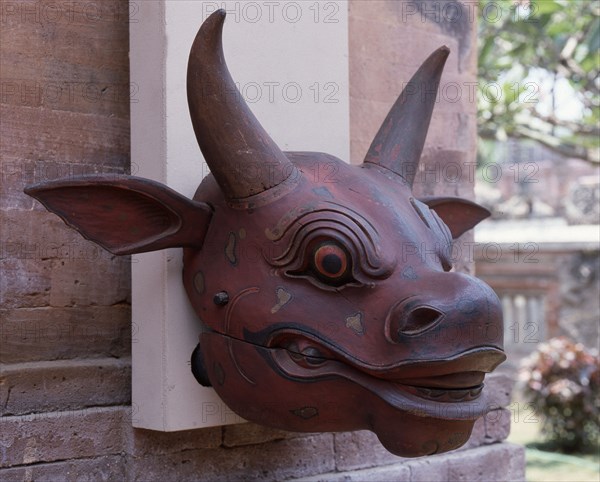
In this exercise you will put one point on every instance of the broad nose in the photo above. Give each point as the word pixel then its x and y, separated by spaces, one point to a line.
pixel 455 309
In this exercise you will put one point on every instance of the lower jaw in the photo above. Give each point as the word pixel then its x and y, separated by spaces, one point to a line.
pixel 418 436
pixel 340 399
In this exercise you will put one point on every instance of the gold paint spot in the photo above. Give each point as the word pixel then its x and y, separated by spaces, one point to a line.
pixel 271 234
pixel 409 273
pixel 242 233
pixel 230 249
pixel 219 373
pixel 354 322
pixel 306 412
pixel 283 297
pixel 199 282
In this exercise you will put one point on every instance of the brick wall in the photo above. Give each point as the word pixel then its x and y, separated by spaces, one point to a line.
pixel 65 319
pixel 64 303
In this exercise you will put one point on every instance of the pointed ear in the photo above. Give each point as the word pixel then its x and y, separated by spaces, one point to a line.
pixel 459 214
pixel 125 214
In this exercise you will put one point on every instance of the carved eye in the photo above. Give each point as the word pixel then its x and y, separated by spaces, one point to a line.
pixel 331 263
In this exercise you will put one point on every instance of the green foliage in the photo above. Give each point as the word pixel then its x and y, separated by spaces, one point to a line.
pixel 562 381
pixel 539 73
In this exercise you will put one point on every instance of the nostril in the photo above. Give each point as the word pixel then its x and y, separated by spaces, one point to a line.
pixel 418 320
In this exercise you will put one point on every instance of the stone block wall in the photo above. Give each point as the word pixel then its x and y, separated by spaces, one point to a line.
pixel 388 42
pixel 65 330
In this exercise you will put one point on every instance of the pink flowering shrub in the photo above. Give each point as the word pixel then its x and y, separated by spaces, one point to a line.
pixel 562 381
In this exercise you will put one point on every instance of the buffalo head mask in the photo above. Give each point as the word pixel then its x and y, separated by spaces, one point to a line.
pixel 328 302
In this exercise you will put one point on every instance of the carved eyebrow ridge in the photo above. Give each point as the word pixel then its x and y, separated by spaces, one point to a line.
pixel 288 221
pixel 328 219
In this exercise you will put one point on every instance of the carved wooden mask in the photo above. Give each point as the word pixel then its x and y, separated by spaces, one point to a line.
pixel 330 303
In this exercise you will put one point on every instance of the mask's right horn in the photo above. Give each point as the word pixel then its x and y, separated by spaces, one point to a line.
pixel 242 157
pixel 399 142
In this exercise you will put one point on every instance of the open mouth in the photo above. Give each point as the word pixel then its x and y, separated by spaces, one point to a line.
pixel 454 395
pixel 455 387
pixel 451 388
pixel 446 395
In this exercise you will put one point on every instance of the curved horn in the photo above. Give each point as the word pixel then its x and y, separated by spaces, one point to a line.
pixel 400 140
pixel 241 155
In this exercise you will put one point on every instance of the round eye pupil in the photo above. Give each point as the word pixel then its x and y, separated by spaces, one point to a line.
pixel 331 261
pixel 332 264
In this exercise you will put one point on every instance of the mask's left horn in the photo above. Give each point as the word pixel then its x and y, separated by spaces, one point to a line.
pixel 125 214
pixel 241 155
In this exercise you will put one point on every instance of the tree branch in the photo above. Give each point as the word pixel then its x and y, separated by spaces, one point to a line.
pixel 576 128
pixel 590 155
